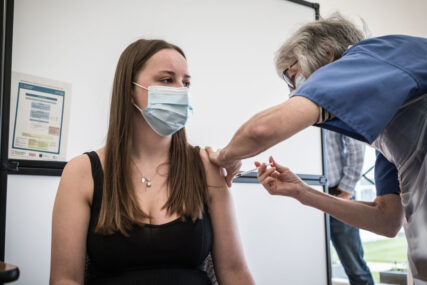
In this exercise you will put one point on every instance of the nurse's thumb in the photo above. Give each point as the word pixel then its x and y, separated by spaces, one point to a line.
pixel 279 168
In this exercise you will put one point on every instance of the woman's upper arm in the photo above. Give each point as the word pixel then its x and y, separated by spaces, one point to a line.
pixel 70 221
pixel 227 250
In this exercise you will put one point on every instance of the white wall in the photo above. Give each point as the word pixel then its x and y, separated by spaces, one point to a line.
pixel 283 240
pixel 28 226
pixel 382 16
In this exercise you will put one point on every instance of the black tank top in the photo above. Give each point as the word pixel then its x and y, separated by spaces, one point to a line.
pixel 170 253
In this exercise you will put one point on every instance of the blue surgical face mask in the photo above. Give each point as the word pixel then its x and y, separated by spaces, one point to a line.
pixel 299 81
pixel 167 110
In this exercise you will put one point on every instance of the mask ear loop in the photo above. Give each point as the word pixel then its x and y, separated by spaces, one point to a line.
pixel 136 106
pixel 133 101
pixel 139 85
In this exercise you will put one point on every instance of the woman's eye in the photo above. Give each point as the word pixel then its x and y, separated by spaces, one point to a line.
pixel 166 80
pixel 186 84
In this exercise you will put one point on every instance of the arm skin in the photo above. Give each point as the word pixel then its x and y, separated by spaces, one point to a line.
pixel 383 216
pixel 263 131
pixel 227 253
pixel 70 220
pixel 344 194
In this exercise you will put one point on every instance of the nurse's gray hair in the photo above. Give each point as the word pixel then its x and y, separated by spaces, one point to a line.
pixel 314 44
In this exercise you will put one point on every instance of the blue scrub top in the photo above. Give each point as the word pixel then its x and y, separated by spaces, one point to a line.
pixel 366 86
pixel 386 179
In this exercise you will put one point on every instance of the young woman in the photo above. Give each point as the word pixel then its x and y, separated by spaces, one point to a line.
pixel 147 208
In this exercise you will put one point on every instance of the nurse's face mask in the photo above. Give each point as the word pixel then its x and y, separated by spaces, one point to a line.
pixel 167 110
pixel 299 80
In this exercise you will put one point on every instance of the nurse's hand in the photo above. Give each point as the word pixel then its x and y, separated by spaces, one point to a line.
pixel 279 180
pixel 231 167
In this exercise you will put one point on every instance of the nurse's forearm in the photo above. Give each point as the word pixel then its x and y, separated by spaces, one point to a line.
pixel 270 127
pixel 384 216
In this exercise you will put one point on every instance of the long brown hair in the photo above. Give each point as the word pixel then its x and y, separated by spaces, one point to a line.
pixel 186 176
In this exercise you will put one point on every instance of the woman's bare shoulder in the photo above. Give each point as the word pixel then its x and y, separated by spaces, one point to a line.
pixel 78 166
pixel 77 176
pixel 214 175
pixel 81 165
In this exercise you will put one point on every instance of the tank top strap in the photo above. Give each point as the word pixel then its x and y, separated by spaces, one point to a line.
pixel 98 179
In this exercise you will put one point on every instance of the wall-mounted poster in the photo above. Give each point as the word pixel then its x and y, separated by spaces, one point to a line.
pixel 39 116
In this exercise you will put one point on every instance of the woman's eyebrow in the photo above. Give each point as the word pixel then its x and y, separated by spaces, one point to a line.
pixel 171 73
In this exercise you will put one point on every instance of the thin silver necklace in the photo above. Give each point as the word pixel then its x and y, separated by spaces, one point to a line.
pixel 144 179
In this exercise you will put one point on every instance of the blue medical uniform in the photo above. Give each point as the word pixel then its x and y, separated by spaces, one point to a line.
pixel 365 88
pixel 377 92
pixel 385 176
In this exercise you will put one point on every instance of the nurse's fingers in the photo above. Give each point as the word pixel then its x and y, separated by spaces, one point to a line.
pixel 213 155
pixel 261 169
pixel 280 168
pixel 270 185
pixel 232 170
pixel 266 172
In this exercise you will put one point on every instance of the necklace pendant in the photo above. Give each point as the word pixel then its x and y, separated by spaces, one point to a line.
pixel 143 180
pixel 148 183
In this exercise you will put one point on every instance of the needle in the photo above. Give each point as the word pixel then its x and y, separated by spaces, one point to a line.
pixel 249 171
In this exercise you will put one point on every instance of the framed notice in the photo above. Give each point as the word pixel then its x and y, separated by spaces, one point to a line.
pixel 39 116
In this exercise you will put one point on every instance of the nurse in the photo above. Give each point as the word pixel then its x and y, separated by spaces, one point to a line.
pixel 374 90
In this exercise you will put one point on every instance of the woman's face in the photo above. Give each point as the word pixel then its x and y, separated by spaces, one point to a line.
pixel 167 67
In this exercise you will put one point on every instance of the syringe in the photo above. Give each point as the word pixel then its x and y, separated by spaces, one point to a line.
pixel 249 171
